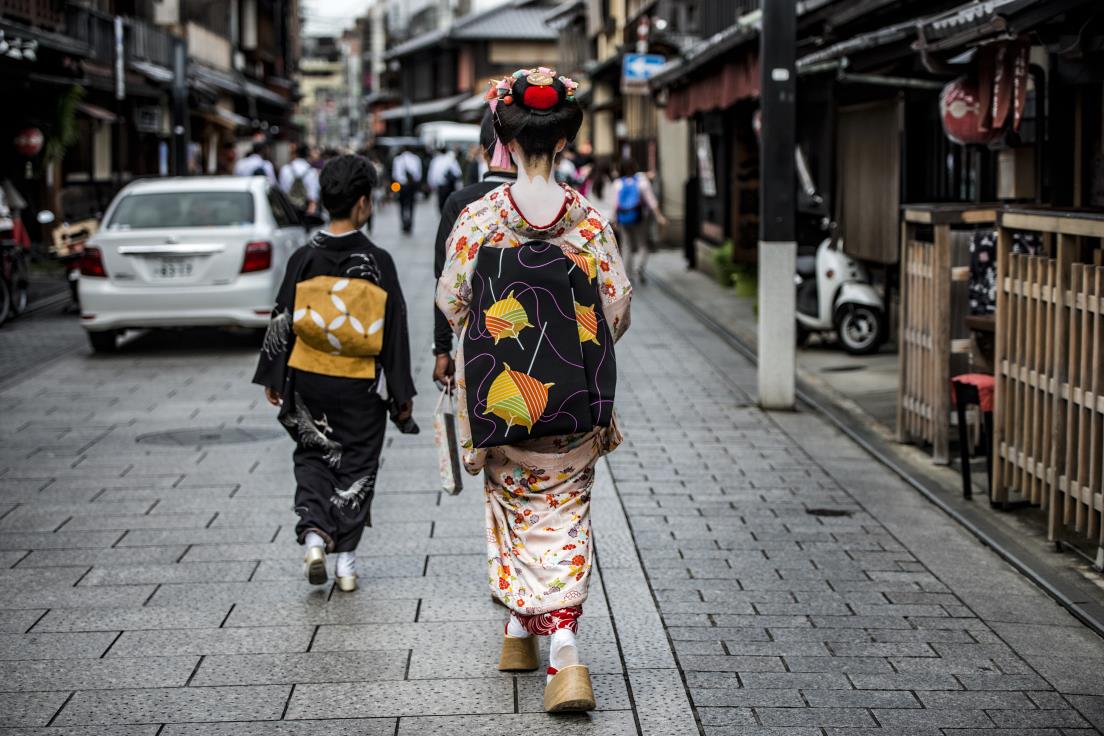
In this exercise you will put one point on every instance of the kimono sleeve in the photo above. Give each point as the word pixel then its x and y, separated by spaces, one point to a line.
pixel 454 286
pixel 279 338
pixel 613 286
pixel 395 356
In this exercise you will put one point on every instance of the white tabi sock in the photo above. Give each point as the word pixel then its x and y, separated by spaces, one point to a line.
pixel 313 539
pixel 515 629
pixel 346 564
pixel 562 650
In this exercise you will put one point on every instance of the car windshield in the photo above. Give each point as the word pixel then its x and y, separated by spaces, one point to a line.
pixel 182 209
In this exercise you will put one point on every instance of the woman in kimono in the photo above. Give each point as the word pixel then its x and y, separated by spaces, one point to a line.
pixel 537 492
pixel 339 320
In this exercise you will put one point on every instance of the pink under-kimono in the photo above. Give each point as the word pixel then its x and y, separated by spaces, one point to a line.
pixel 537 492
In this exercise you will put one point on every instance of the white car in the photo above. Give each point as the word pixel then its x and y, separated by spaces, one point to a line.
pixel 185 252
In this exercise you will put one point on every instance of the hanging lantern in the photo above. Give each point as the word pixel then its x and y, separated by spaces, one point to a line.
pixel 28 142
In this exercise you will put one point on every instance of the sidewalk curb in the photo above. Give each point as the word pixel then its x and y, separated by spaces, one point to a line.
pixel 964 513
pixel 656 688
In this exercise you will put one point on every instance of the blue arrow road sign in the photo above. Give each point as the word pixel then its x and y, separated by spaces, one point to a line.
pixel 640 67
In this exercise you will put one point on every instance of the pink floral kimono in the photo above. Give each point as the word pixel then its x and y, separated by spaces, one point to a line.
pixel 539 550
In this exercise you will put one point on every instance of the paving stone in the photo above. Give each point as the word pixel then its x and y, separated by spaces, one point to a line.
pixel 819 717
pixel 401 698
pixel 161 537
pixel 602 723
pixel 184 572
pixel 30 709
pixel 274 669
pixel 110 556
pixel 328 727
pixel 941 718
pixel 176 704
pixel 55 646
pixel 58 540
pixel 258 640
pixel 18 622
pixel 118 619
pixel 316 610
pixel 730 695
pixel 1067 718
pixel 98 674
pixel 147 730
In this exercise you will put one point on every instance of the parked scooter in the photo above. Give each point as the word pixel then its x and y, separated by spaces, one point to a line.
pixel 834 293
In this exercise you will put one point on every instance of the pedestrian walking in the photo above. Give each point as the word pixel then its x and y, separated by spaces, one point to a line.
pixel 443 175
pixel 299 180
pixel 339 320
pixel 500 170
pixel 536 491
pixel 406 170
pixel 257 163
pixel 635 200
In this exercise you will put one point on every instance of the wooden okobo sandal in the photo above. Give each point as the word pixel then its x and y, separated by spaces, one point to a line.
pixel 569 690
pixel 518 654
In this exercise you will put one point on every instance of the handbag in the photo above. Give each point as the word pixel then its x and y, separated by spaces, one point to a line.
pixel 444 435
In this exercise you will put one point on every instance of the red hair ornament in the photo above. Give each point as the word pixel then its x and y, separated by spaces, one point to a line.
pixel 541 97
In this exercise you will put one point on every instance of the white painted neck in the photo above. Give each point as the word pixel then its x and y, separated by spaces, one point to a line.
pixel 536 194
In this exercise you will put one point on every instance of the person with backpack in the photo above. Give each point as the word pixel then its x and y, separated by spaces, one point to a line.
pixel 257 163
pixel 443 175
pixel 339 322
pixel 535 288
pixel 299 180
pixel 635 200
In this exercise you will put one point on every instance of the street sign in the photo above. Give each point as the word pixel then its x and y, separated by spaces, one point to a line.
pixel 637 69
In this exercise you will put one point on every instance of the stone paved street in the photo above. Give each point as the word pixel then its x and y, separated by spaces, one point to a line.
pixel 759 574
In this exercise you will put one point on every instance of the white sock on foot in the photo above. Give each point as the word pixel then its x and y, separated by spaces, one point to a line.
pixel 562 650
pixel 346 564
pixel 515 629
pixel 314 539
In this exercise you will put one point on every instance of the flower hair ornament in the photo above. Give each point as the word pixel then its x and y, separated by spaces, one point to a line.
pixel 538 91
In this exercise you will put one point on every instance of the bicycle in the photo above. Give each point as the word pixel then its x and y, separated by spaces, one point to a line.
pixel 14 280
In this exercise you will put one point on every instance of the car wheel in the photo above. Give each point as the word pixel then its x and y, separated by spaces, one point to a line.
pixel 20 289
pixel 802 336
pixel 5 301
pixel 860 328
pixel 104 342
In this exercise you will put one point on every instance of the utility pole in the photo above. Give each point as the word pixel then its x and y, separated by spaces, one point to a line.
pixel 777 236
pixel 180 108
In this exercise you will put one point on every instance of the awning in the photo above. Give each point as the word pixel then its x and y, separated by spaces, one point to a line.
pixel 714 47
pixel 213 78
pixel 261 92
pixel 882 37
pixel 736 80
pixel 976 21
pixel 96 112
pixel 155 72
pixel 473 104
pixel 423 109
pixel 221 116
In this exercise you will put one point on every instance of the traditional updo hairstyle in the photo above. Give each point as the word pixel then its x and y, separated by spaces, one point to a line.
pixel 536 108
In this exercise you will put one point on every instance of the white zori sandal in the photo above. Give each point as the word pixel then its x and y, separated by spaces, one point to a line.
pixel 346 571
pixel 568 686
pixel 314 563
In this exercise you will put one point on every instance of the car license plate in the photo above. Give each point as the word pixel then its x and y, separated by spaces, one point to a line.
pixel 173 268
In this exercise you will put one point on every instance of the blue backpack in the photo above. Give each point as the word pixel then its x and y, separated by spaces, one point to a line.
pixel 628 201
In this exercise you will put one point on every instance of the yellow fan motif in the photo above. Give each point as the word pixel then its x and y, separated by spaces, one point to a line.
pixel 517 398
pixel 586 262
pixel 506 318
pixel 588 323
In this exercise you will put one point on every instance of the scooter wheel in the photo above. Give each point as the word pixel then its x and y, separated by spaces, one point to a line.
pixel 860 329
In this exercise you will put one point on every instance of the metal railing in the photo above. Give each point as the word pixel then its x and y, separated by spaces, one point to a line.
pixel 41 13
pixel 142 41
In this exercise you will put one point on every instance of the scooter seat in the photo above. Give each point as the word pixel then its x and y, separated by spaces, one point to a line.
pixel 806 266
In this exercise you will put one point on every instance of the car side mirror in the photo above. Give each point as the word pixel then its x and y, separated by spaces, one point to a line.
pixel 45 217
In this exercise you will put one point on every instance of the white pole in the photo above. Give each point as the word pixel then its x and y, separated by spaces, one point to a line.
pixel 777 338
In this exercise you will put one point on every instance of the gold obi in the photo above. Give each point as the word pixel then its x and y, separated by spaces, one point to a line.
pixel 339 326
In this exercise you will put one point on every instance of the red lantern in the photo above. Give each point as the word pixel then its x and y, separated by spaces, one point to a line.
pixel 28 142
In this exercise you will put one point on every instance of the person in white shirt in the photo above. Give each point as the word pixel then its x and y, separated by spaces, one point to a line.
pixel 299 180
pixel 256 163
pixel 443 175
pixel 406 169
